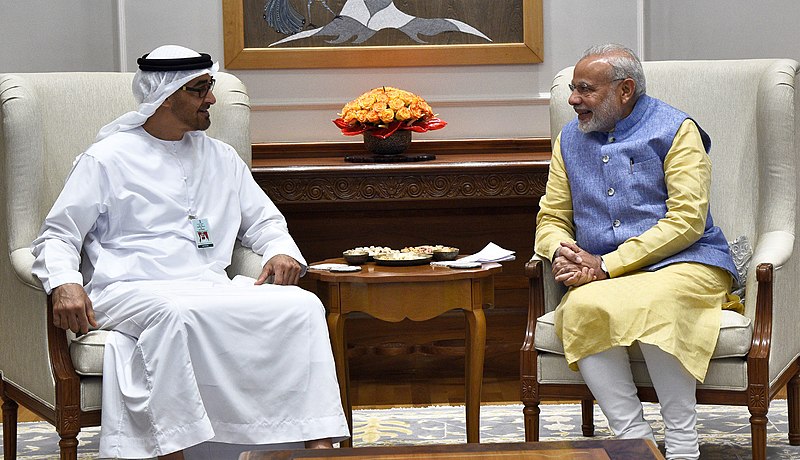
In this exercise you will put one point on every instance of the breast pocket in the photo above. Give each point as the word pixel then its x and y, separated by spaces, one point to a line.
pixel 646 180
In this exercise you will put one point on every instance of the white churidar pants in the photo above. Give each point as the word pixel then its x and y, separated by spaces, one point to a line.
pixel 608 376
pixel 202 361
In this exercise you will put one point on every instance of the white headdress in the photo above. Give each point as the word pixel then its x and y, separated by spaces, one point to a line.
pixel 161 72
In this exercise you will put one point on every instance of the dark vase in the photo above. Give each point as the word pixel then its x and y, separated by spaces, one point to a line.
pixel 395 144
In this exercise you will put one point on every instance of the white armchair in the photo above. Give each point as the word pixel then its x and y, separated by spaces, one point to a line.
pixel 749 108
pixel 47 120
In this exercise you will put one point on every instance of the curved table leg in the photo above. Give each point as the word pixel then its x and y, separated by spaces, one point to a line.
pixel 339 347
pixel 474 355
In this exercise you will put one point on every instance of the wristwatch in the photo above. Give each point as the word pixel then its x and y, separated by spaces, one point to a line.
pixel 603 267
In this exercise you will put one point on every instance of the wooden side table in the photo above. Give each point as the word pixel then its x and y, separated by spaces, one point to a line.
pixel 418 293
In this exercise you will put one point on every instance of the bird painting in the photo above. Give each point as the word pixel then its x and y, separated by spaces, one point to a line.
pixel 280 15
pixel 358 21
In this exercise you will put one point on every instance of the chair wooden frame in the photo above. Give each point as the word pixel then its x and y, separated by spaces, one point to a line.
pixel 756 397
pixel 67 415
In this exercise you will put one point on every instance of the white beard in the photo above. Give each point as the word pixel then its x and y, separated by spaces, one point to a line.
pixel 604 117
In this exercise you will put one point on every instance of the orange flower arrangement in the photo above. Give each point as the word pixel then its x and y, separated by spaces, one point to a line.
pixel 383 110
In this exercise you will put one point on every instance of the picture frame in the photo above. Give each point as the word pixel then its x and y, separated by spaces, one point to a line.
pixel 240 56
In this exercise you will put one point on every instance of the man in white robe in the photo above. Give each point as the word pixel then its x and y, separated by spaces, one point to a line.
pixel 155 207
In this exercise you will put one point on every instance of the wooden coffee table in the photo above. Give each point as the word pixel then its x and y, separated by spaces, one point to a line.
pixel 607 449
pixel 417 293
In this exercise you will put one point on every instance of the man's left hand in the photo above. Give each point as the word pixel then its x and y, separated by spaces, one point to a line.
pixel 283 269
pixel 574 266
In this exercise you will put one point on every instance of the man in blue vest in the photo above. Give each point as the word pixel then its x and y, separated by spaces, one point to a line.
pixel 626 222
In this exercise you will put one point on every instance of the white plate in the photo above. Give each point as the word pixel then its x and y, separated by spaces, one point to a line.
pixel 464 265
pixel 344 269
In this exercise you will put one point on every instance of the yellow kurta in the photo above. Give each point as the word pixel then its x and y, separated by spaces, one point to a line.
pixel 677 308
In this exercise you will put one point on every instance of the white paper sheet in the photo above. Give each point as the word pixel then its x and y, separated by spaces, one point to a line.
pixel 490 253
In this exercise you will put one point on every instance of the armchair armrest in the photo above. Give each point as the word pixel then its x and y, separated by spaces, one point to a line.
pixel 57 343
pixel 771 303
pixel 244 262
pixel 534 271
pixel 68 382
pixel 538 269
pixel 770 255
pixel 774 248
pixel 22 262
pixel 533 267
pixel 45 359
pixel 544 295
pixel 762 326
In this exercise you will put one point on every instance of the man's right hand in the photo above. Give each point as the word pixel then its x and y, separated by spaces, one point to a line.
pixel 72 308
pixel 573 266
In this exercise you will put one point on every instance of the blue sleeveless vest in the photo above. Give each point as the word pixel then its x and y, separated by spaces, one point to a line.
pixel 618 188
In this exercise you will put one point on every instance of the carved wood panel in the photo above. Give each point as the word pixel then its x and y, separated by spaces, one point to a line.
pixel 432 186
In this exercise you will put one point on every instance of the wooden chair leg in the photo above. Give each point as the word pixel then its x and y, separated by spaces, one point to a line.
pixel 793 404
pixel 10 411
pixel 531 414
pixel 758 432
pixel 587 417
pixel 68 426
pixel 68 446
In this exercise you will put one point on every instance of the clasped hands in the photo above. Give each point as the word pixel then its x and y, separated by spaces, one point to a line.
pixel 574 266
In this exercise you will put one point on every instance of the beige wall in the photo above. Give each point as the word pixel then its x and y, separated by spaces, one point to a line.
pixel 722 29
pixel 45 35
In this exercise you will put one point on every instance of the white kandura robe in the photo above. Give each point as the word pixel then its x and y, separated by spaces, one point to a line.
pixel 194 356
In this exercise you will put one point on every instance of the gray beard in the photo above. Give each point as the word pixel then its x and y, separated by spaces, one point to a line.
pixel 604 117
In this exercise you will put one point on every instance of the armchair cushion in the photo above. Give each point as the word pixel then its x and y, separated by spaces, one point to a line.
pixel 726 373
pixel 91 393
pixel 742 253
pixel 86 352
pixel 735 335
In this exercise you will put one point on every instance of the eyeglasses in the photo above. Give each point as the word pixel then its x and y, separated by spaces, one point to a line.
pixel 202 90
pixel 584 90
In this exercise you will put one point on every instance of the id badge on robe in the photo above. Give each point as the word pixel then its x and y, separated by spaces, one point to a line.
pixel 202 237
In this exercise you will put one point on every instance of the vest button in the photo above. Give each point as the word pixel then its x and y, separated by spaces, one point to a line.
pixel 617 223
pixel 605 158
pixel 611 139
pixel 610 191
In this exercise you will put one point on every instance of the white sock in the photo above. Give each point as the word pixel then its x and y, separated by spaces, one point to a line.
pixel 675 388
pixel 608 375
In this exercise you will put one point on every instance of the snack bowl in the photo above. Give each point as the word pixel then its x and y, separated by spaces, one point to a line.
pixel 356 257
pixel 445 253
pixel 402 259
pixel 372 251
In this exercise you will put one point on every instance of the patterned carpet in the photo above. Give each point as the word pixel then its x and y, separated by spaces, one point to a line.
pixel 724 432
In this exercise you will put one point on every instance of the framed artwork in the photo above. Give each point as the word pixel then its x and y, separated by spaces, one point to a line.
pixel 274 34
